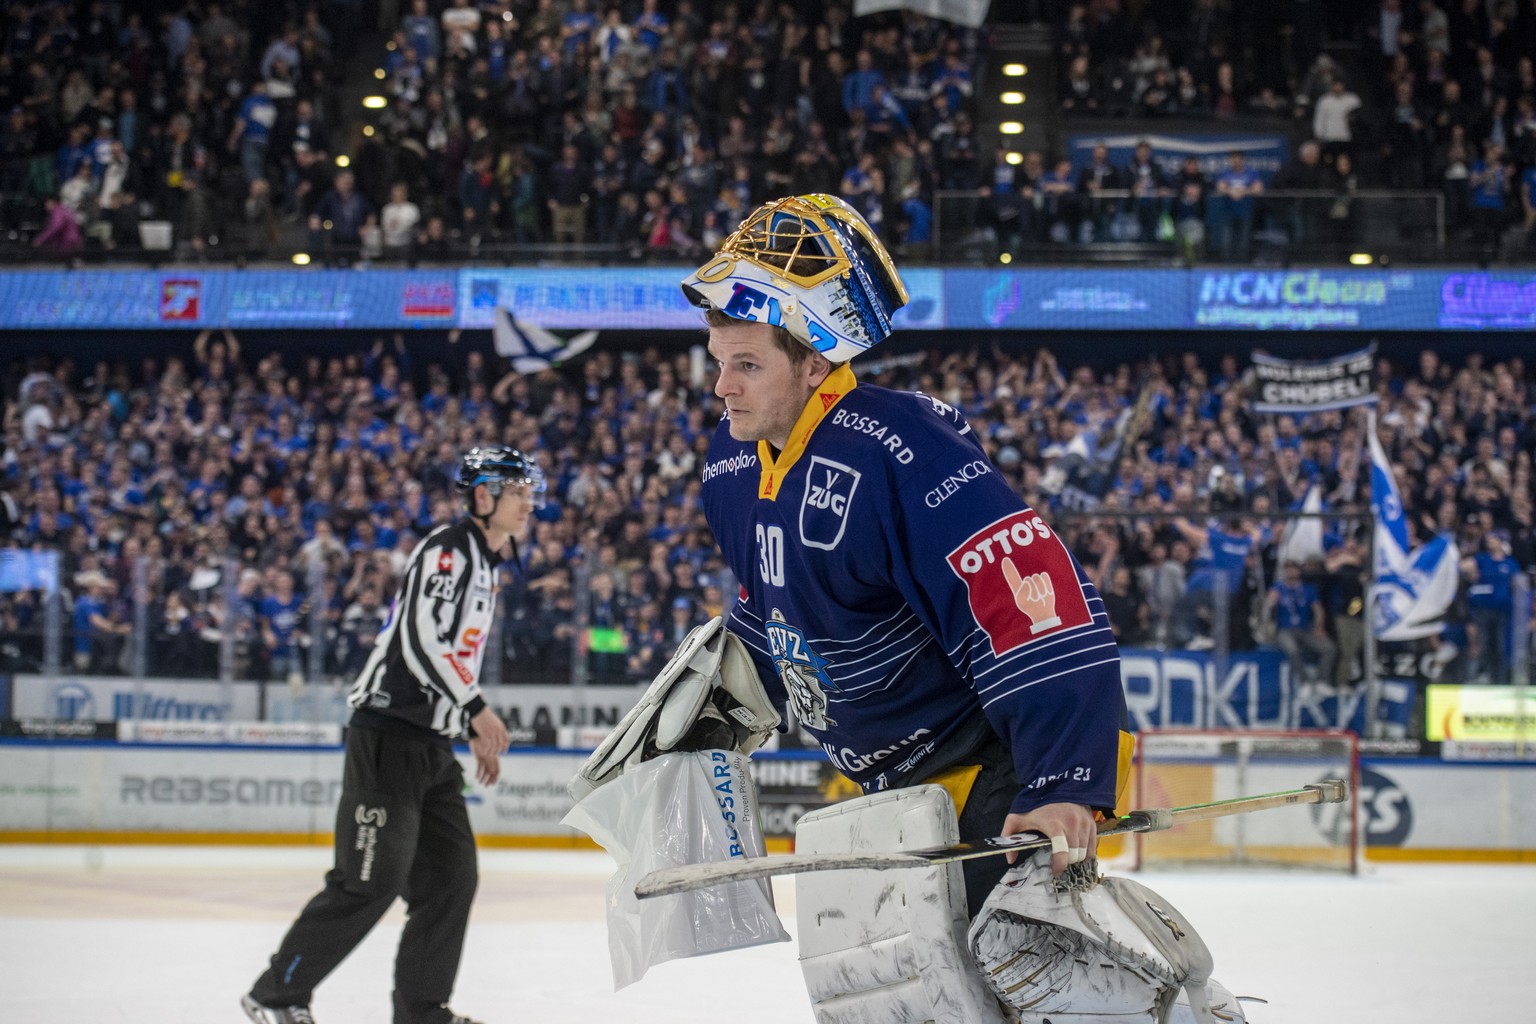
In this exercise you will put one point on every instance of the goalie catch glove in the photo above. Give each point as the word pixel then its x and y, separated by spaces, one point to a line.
pixel 707 697
pixel 1083 950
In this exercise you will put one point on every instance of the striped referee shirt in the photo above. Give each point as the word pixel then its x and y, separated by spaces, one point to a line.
pixel 425 665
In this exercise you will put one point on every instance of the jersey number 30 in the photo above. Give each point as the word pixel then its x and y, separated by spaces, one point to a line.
pixel 770 554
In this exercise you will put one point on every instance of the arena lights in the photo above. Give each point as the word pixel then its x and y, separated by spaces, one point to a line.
pixel 301 259
pixel 1011 128
pixel 1005 258
pixel 1013 158
pixel 375 102
pixel 343 161
pixel 1012 98
pixel 368 130
pixel 1361 259
pixel 1015 70
pixel 380 74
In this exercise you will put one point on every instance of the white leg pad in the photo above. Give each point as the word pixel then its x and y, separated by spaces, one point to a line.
pixel 888 947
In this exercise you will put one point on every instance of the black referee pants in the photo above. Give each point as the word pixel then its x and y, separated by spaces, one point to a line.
pixel 401 830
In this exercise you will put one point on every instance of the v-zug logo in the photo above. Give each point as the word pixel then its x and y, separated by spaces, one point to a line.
pixel 73 702
pixel 829 490
pixel 1386 808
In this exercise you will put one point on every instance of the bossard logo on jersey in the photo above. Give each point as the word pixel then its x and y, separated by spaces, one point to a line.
pixel 803 671
pixel 1020 580
pixel 829 489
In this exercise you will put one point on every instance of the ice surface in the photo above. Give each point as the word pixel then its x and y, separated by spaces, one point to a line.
pixel 174 935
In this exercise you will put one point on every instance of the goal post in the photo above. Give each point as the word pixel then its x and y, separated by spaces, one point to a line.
pixel 1177 767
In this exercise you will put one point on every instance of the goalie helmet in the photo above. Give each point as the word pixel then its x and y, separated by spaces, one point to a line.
pixel 496 466
pixel 811 265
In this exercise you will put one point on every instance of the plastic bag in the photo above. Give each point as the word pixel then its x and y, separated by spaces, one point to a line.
pixel 680 808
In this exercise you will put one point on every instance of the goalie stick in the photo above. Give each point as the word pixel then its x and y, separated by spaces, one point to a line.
pixel 687 877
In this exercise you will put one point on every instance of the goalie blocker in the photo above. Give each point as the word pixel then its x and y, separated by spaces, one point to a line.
pixel 708 696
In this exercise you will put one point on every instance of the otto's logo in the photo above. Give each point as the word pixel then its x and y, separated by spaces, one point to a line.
pixel 1020 580
pixel 181 300
pixel 375 816
pixel 829 489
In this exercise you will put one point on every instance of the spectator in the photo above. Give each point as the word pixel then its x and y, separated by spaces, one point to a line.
pixel 61 235
pixel 283 614
pixel 1236 188
pixel 1305 173
pixel 1220 578
pixel 1129 615
pixel 1491 601
pixel 101 630
pixel 340 217
pixel 1488 179
pixel 1332 119
pixel 399 220
pixel 1300 628
pixel 570 185
pixel 1151 194
pixel 253 131
pixel 1098 177
pixel 360 625
pixel 1345 602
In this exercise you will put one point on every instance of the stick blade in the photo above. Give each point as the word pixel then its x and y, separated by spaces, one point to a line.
pixel 1330 791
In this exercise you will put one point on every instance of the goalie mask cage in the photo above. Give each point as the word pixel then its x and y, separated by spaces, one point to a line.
pixel 1175 768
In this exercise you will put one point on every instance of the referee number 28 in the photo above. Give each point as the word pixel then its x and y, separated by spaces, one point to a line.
pixel 770 554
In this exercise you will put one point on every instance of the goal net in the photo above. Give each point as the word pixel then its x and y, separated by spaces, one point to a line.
pixel 1176 768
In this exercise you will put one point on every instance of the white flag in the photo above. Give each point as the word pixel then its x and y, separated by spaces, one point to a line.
pixel 532 348
pixel 970 13
pixel 1413 587
pixel 1302 540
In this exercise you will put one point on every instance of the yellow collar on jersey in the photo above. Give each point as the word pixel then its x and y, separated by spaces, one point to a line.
pixel 837 384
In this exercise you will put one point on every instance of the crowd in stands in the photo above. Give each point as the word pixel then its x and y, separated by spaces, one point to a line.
pixel 1396 94
pixel 259 504
pixel 650 126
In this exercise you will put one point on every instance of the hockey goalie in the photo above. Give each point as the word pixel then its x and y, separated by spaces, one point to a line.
pixel 936 638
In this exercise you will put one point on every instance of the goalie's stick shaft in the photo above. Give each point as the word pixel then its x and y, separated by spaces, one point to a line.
pixel 687 877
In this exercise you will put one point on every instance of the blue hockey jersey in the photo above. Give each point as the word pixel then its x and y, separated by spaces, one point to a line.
pixel 895 583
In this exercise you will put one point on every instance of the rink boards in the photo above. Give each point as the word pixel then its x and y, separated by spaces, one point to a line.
pixel 95 791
